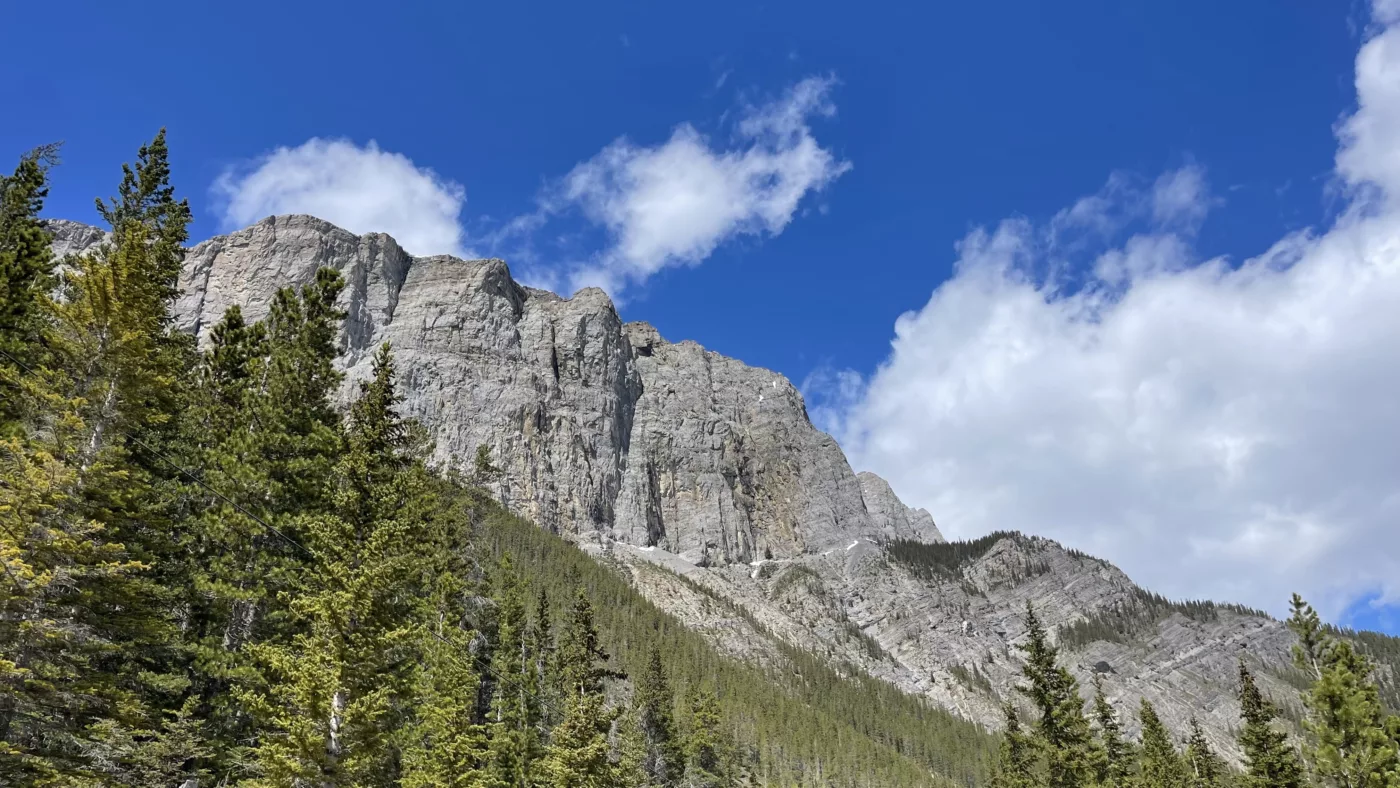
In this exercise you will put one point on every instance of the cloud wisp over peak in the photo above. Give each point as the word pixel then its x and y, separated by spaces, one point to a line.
pixel 363 189
pixel 655 206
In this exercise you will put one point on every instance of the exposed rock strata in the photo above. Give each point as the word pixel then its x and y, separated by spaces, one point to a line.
pixel 704 479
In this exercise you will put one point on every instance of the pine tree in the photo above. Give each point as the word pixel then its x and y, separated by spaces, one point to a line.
pixel 1160 763
pixel 94 646
pixel 26 277
pixel 1016 766
pixel 1269 760
pixel 664 761
pixel 1349 744
pixel 1113 759
pixel 336 691
pixel 443 745
pixel 1204 769
pixel 1061 729
pixel 578 751
pixel 515 712
pixel 263 432
pixel 707 756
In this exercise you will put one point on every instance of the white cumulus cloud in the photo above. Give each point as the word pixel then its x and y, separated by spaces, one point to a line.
pixel 1219 430
pixel 363 189
pixel 674 203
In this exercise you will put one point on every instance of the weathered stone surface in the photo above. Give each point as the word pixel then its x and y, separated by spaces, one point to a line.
pixel 602 431
pixel 674 462
pixel 890 517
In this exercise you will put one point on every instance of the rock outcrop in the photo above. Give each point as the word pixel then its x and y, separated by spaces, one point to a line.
pixel 704 479
pixel 603 432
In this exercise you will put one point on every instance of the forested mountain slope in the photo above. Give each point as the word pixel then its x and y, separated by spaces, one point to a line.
pixel 292 507
pixel 682 463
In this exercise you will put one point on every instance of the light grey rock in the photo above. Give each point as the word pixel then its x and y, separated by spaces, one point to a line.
pixel 71 237
pixel 602 431
pixel 669 461
pixel 890 517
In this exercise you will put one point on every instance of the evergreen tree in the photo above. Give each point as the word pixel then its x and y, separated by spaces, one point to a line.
pixel 1016 766
pixel 26 277
pixel 578 751
pixel 1269 760
pixel 1204 769
pixel 336 691
pixel 1061 729
pixel 706 748
pixel 1113 758
pixel 1161 765
pixel 515 712
pixel 444 746
pixel 1349 744
pixel 664 762
pixel 91 658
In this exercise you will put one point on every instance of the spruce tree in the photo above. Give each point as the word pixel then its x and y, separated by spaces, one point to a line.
pixel 1113 759
pixel 664 761
pixel 515 712
pixel 707 756
pixel 1161 765
pixel 95 649
pixel 336 691
pixel 1061 728
pixel 1349 745
pixel 1016 765
pixel 26 277
pixel 1270 762
pixel 1204 769
pixel 578 751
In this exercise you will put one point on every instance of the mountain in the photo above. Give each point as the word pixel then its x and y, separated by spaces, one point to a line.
pixel 703 482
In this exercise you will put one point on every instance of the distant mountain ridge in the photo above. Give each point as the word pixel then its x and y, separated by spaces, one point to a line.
pixel 702 480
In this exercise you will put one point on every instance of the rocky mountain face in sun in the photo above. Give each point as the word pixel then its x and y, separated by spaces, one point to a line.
pixel 703 481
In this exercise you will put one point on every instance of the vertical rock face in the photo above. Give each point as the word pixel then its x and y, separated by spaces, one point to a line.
pixel 890 517
pixel 602 431
pixel 680 461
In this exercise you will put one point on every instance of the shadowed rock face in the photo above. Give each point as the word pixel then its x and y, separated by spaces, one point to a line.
pixel 603 432
pixel 680 461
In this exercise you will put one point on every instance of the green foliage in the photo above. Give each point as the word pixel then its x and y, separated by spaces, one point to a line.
pixel 1140 614
pixel 1349 744
pixel 1204 769
pixel 1160 765
pixel 1112 756
pixel 1061 729
pixel 26 276
pixel 942 559
pixel 1270 762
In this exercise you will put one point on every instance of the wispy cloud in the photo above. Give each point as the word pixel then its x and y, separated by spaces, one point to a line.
pixel 671 204
pixel 1218 430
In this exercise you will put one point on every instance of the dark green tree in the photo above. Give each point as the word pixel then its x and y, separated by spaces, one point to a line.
pixel 1270 762
pixel 1061 729
pixel 26 278
pixel 664 761
pixel 1113 758
pixel 1016 766
pixel 1161 765
pixel 707 749
pixel 578 751
pixel 1349 745
pixel 515 711
pixel 1204 769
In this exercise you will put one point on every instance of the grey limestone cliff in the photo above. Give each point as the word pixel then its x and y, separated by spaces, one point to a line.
pixel 703 478
pixel 603 431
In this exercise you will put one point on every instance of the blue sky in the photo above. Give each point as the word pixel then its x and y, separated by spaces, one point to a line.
pixel 848 157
